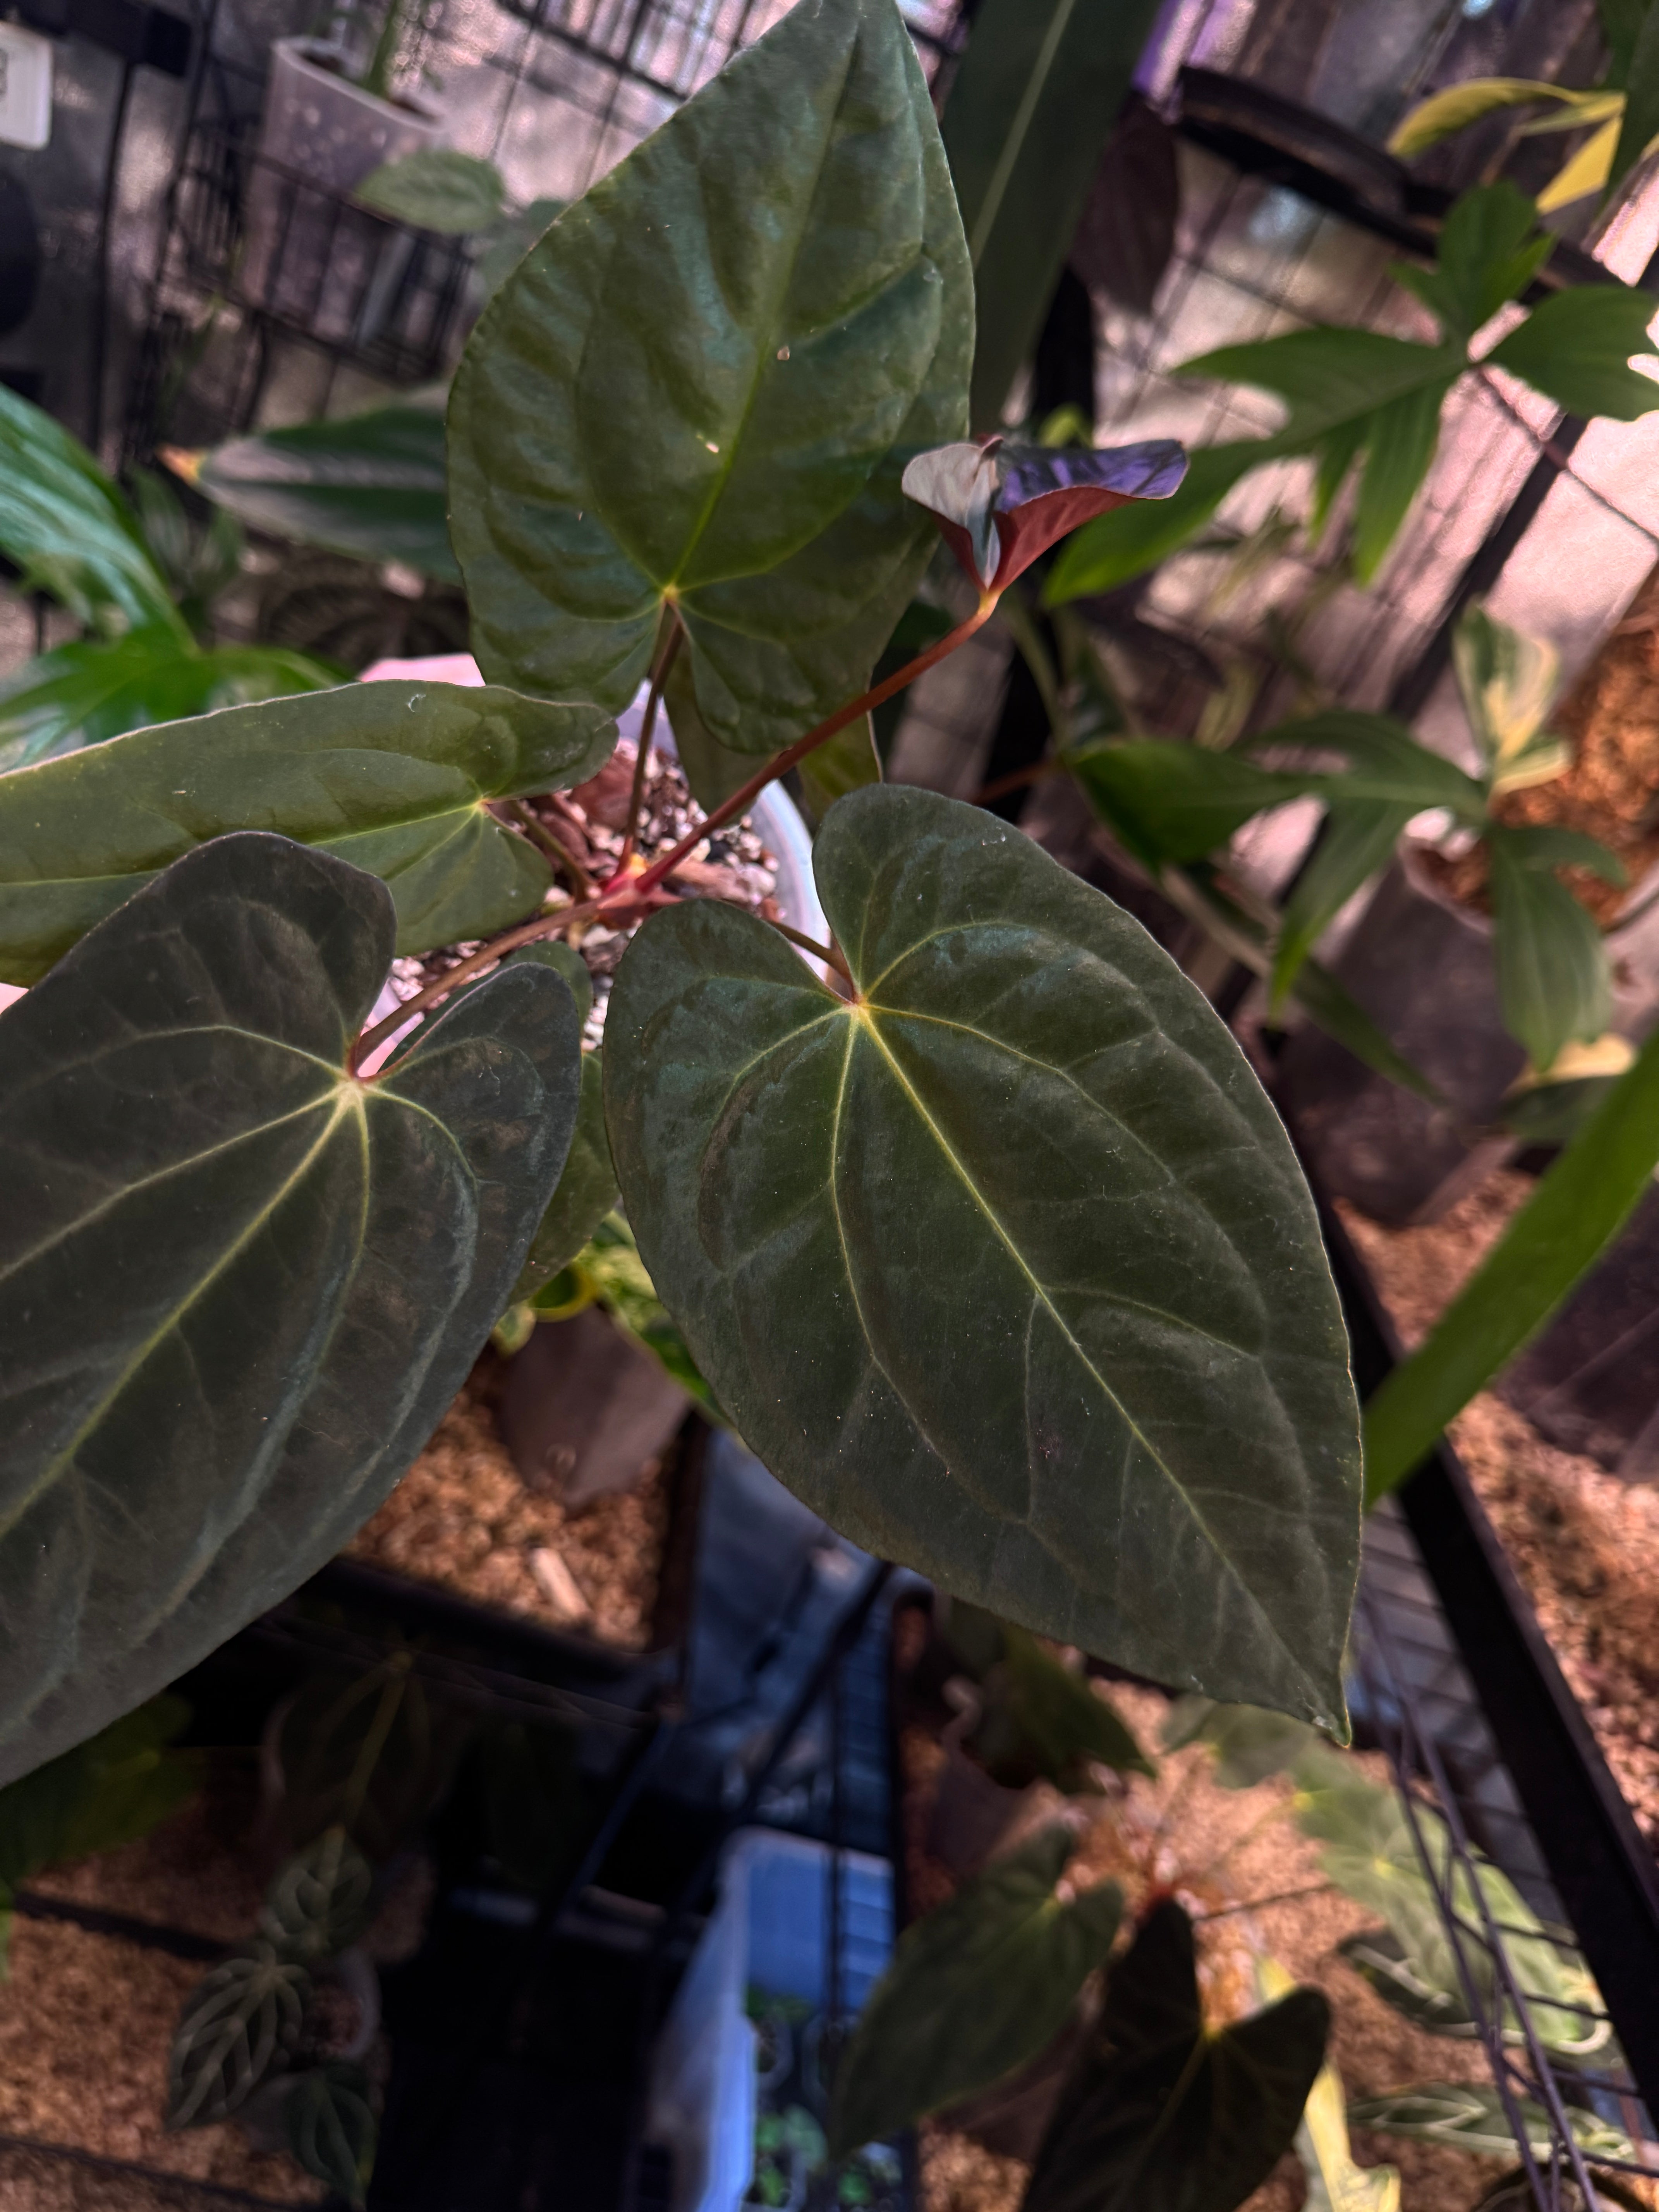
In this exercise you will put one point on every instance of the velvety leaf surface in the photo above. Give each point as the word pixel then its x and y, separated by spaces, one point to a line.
pixel 586 1194
pixel 237 1286
pixel 1160 2115
pixel 704 382
pixel 1032 103
pixel 975 1988
pixel 394 777
pixel 371 485
pixel 1076 1354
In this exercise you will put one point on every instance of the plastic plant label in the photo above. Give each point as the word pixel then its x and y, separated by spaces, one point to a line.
pixel 24 87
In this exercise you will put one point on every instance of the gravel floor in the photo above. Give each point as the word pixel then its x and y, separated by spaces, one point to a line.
pixel 462 1518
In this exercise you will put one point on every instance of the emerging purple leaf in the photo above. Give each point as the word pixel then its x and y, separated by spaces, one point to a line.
pixel 1000 505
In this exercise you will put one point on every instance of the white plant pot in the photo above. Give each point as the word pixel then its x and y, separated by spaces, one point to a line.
pixel 309 256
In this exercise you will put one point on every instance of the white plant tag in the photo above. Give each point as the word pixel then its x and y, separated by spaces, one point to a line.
pixel 24 87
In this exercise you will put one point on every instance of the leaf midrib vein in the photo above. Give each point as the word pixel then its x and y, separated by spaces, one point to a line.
pixel 180 1166
pixel 1084 1361
pixel 53 1469
pixel 1099 1106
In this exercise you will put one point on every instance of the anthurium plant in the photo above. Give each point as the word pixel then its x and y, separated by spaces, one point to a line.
pixel 990 1244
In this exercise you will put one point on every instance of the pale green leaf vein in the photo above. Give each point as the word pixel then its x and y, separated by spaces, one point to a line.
pixel 1039 1292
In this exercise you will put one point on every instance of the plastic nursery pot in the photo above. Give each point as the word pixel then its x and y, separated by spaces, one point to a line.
pixel 309 256
pixel 1422 967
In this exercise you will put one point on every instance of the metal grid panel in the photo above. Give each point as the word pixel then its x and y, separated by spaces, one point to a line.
pixel 1412 1691
pixel 556 92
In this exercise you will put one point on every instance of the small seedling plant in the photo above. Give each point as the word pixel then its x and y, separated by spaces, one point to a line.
pixel 1161 2103
pixel 990 1244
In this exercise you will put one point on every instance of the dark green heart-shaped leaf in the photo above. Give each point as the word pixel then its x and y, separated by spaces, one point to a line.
pixel 1075 1352
pixel 703 385
pixel 436 188
pixel 369 484
pixel 586 1194
pixel 331 2127
pixel 241 2023
pixel 237 1285
pixel 976 1988
pixel 1164 2115
pixel 395 778
pixel 318 1901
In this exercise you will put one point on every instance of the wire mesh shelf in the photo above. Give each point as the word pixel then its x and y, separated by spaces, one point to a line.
pixel 1414 1695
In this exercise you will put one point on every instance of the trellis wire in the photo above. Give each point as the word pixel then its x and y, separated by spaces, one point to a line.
pixel 1399 1634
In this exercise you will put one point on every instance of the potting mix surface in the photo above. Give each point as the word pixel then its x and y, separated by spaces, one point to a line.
pixel 586 826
